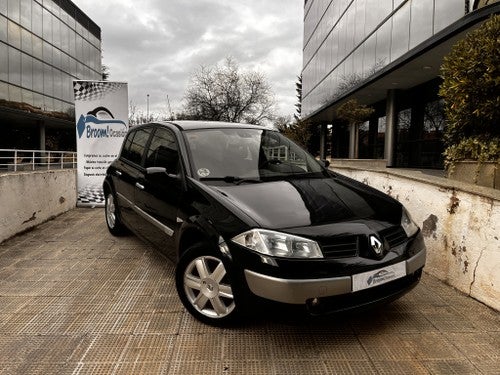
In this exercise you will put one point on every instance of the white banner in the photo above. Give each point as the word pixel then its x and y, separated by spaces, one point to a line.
pixel 101 113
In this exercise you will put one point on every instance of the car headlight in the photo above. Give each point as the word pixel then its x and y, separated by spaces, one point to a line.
pixel 278 244
pixel 408 224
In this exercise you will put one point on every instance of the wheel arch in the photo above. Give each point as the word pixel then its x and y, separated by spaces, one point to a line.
pixel 189 237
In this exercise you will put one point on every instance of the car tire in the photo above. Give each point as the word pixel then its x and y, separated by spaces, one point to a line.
pixel 113 222
pixel 203 281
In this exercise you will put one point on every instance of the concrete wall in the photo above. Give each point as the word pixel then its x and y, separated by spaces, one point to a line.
pixel 30 198
pixel 460 223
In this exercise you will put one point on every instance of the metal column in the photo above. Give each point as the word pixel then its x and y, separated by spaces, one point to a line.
pixel 322 141
pixel 41 127
pixel 390 128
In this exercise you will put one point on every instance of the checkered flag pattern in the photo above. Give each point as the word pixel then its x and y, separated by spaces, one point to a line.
pixel 91 195
pixel 93 90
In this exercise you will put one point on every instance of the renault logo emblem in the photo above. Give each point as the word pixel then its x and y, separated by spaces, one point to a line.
pixel 376 245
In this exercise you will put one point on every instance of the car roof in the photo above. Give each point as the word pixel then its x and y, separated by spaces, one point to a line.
pixel 193 125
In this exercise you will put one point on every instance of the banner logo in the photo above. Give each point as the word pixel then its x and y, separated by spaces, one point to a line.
pixel 100 123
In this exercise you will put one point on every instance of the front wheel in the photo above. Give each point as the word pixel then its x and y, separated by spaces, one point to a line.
pixel 204 286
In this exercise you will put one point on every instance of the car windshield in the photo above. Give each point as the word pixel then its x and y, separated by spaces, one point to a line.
pixel 246 155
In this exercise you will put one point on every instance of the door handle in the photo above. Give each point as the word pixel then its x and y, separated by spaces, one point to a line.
pixel 118 173
pixel 139 186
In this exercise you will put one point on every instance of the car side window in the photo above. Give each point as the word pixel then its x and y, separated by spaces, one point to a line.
pixel 134 145
pixel 163 151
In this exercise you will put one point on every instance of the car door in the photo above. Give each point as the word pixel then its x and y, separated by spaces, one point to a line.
pixel 128 171
pixel 159 191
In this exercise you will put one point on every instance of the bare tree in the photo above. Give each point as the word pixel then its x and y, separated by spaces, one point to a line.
pixel 225 93
pixel 137 116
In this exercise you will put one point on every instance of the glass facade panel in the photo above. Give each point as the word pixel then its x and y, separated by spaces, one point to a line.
pixel 26 14
pixel 47 52
pixel 383 49
pixel 26 43
pixel 14 66
pixel 400 32
pixel 57 77
pixel 421 21
pixel 38 100
pixel 4 90
pixel 56 32
pixel 36 22
pixel 27 71
pixel 65 32
pixel 37 47
pixel 3 29
pixel 4 62
pixel 37 76
pixel 14 34
pixel 13 10
pixel 369 55
pixel 15 94
pixel 47 25
pixel 56 57
pixel 27 96
pixel 48 80
pixel 48 103
pixel 447 12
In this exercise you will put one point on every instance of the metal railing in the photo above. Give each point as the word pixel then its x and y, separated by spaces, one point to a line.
pixel 34 160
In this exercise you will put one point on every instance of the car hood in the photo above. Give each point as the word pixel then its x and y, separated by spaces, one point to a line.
pixel 310 201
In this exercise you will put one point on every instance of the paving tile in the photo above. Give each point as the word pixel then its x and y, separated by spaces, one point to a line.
pixel 248 367
pixel 451 366
pixel 194 348
pixel 207 367
pixel 248 347
pixel 352 367
pixel 340 348
pixel 387 347
pixel 400 367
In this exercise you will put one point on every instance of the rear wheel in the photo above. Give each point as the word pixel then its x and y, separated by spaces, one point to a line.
pixel 115 226
pixel 204 286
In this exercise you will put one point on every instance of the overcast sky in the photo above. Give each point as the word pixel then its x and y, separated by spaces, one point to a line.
pixel 156 45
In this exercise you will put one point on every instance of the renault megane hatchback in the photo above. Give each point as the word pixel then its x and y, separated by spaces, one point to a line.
pixel 247 215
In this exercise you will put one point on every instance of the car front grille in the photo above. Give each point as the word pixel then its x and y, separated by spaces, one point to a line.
pixel 394 236
pixel 354 245
pixel 340 247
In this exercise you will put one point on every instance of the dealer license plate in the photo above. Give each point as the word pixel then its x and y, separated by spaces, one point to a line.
pixel 377 277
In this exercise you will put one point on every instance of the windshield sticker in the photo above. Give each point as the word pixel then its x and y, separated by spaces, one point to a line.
pixel 203 172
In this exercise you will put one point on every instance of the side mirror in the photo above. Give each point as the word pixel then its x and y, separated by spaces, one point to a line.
pixel 325 163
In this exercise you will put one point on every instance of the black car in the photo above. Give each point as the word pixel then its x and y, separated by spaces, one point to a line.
pixel 248 215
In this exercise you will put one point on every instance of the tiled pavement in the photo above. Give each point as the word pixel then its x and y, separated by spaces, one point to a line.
pixel 75 300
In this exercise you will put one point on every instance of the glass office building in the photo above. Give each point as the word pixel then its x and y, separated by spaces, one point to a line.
pixel 44 46
pixel 386 54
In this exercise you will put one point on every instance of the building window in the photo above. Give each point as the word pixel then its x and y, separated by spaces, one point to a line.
pixel 403 137
pixel 340 140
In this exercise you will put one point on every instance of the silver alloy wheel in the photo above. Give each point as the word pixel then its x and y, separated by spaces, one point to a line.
pixel 205 288
pixel 110 211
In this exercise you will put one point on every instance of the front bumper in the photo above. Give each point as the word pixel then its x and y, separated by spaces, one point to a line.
pixel 299 291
